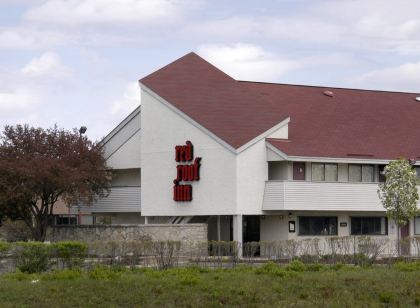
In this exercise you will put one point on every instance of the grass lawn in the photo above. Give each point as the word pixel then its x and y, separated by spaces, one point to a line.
pixel 270 285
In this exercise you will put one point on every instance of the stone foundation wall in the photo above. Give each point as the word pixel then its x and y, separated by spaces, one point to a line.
pixel 193 233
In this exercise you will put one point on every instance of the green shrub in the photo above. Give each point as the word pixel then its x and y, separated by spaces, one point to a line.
pixel 296 266
pixel 176 271
pixel 154 274
pixel 308 259
pixel 4 248
pixel 362 260
pixel 19 276
pixel 386 297
pixel 316 267
pixel 188 278
pixel 102 272
pixel 270 268
pixel 241 268
pixel 32 257
pixel 71 253
pixel 66 274
pixel 337 266
pixel 337 258
pixel 408 266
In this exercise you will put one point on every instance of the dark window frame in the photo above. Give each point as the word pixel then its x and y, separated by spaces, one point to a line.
pixel 324 180
pixel 335 218
pixel 71 218
pixel 368 217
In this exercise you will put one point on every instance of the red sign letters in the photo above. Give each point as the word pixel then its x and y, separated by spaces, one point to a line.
pixel 186 171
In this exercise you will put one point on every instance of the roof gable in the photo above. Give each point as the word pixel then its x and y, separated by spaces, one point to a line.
pixel 215 100
pixel 350 123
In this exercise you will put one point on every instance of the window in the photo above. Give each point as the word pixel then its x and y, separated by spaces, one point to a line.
pixel 314 225
pixel 417 225
pixel 331 172
pixel 369 225
pixel 87 220
pixel 324 172
pixel 66 220
pixel 318 173
pixel 361 173
pixel 418 172
pixel 382 177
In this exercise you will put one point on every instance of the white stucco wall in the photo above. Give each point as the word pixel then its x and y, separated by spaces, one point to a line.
pixel 128 155
pixel 251 174
pixel 122 147
pixel 274 228
pixel 163 129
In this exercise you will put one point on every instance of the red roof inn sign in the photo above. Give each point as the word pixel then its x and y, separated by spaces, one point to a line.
pixel 187 171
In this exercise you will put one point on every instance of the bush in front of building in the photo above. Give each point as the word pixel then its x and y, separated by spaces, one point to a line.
pixel 4 248
pixel 272 269
pixel 69 254
pixel 165 253
pixel 223 248
pixel 296 266
pixel 32 257
pixel 63 274
pixel 315 267
pixel 103 272
pixel 407 266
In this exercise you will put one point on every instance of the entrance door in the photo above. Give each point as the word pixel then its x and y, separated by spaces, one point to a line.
pixel 251 233
pixel 251 229
pixel 405 239
pixel 299 171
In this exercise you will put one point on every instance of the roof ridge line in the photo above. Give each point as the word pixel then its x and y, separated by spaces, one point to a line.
pixel 326 87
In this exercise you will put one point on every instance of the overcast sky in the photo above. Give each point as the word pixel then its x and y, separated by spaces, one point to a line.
pixel 75 62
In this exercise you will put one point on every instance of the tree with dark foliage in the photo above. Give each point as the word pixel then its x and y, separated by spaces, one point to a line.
pixel 40 166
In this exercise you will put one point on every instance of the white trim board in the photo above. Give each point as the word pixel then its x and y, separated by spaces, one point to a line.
pixel 343 160
pixel 120 126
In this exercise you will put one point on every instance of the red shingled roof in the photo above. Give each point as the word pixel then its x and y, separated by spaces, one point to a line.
pixel 352 123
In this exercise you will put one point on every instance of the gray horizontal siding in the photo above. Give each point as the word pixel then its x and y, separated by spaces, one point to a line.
pixel 120 199
pixel 321 196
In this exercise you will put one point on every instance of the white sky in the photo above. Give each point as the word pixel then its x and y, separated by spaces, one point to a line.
pixel 77 62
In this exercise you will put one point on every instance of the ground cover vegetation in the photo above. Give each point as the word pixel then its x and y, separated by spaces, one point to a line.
pixel 68 274
pixel 270 284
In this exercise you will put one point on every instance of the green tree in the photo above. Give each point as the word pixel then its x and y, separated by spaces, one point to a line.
pixel 40 166
pixel 399 194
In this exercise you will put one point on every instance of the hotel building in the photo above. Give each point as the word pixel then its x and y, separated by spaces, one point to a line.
pixel 255 160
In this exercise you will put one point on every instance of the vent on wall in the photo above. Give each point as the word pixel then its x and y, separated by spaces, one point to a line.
pixel 328 93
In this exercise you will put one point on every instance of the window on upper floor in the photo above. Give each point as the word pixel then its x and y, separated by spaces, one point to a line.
pixel 382 177
pixel 324 172
pixel 361 173
pixel 369 225
pixel 417 225
pixel 418 172
pixel 317 225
